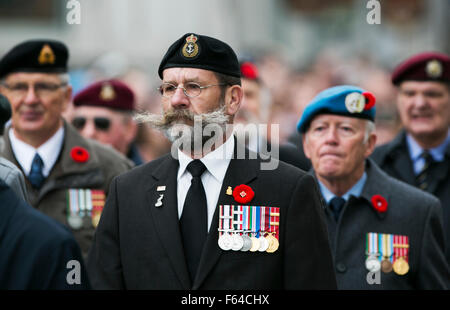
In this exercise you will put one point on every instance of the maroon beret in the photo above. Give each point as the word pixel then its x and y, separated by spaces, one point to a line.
pixel 112 94
pixel 427 66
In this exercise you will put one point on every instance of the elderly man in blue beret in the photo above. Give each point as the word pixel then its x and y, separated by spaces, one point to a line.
pixel 384 234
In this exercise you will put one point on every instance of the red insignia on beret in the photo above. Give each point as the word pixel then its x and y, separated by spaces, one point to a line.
pixel 79 154
pixel 110 94
pixel 428 66
pixel 379 203
pixel 370 100
pixel 243 193
pixel 249 71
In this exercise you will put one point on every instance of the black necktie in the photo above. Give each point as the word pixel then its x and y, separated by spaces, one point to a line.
pixel 423 178
pixel 194 218
pixel 36 177
pixel 336 205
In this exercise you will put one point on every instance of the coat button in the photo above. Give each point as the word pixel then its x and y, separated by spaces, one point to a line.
pixel 340 267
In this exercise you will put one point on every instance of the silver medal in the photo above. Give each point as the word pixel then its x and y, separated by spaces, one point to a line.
pixel 225 242
pixel 247 243
pixel 373 264
pixel 263 244
pixel 238 242
pixel 75 221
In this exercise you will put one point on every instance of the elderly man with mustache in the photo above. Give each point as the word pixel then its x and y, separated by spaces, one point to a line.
pixel 203 217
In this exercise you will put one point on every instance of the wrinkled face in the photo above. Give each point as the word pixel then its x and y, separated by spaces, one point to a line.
pixel 37 102
pixel 251 103
pixel 107 126
pixel 335 145
pixel 424 108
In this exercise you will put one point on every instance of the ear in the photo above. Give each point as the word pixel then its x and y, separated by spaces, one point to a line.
pixel 371 143
pixel 233 99
pixel 67 97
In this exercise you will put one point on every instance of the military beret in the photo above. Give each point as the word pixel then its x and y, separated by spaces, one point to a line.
pixel 202 52
pixel 345 100
pixel 46 56
pixel 5 110
pixel 112 94
pixel 249 71
pixel 428 66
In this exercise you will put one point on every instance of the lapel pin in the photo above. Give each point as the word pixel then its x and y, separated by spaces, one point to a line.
pixel 161 188
pixel 229 191
pixel 159 201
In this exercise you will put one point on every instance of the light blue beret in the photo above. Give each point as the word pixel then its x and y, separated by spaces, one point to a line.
pixel 345 100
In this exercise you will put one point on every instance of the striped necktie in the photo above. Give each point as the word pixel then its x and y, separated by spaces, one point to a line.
pixel 423 178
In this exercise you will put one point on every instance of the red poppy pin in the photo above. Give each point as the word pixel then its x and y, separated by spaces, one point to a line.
pixel 370 100
pixel 243 193
pixel 79 154
pixel 379 203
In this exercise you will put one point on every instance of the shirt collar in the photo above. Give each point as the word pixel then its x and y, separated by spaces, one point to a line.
pixel 437 153
pixel 356 189
pixel 216 162
pixel 49 151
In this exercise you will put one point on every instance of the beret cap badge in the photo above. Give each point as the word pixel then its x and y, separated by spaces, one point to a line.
pixel 190 48
pixel 434 68
pixel 46 56
pixel 355 102
pixel 107 92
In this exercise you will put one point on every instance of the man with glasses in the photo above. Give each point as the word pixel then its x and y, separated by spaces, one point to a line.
pixel 67 176
pixel 162 221
pixel 103 112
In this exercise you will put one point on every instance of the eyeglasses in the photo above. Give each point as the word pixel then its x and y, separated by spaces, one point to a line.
pixel 190 89
pixel 101 123
pixel 40 89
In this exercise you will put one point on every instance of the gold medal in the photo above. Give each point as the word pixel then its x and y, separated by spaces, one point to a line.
pixel 95 219
pixel 401 267
pixel 255 244
pixel 274 244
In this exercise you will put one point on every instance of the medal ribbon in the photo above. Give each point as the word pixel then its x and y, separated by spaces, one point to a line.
pixel 220 220
pixel 274 221
pixel 258 221
pixel 237 218
pixel 73 201
pixel 262 224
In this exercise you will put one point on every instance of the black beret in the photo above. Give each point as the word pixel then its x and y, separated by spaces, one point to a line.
pixel 202 52
pixel 5 110
pixel 46 56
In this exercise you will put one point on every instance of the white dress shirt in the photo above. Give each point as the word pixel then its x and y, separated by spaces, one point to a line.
pixel 216 163
pixel 49 151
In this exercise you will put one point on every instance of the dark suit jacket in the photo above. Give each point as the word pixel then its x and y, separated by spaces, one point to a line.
pixel 34 249
pixel 138 246
pixel 410 212
pixel 394 159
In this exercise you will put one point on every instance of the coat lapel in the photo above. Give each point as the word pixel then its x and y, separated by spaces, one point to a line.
pixel 165 217
pixel 240 171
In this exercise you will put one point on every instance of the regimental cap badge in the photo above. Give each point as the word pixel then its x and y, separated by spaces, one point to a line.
pixel 190 48
pixel 434 68
pixel 107 92
pixel 355 102
pixel 46 56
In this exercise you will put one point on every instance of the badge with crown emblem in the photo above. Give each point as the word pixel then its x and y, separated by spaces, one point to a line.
pixel 46 56
pixel 190 48
pixel 107 93
pixel 434 68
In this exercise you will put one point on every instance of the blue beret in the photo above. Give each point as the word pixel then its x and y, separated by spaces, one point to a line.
pixel 345 100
